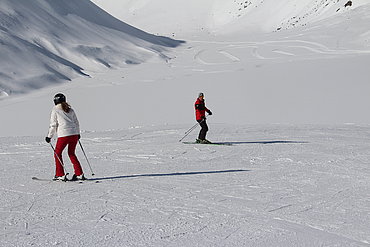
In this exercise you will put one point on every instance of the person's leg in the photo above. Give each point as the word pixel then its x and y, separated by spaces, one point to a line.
pixel 203 131
pixel 59 167
pixel 73 140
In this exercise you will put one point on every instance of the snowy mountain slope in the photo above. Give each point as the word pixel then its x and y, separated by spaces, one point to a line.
pixel 269 15
pixel 45 42
pixel 182 18
pixel 313 74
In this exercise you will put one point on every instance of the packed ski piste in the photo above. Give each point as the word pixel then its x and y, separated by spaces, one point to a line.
pixel 65 125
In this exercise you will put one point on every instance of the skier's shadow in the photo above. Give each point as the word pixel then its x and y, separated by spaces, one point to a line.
pixel 260 142
pixel 168 174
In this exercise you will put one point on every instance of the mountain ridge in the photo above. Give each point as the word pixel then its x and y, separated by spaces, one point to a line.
pixel 219 17
pixel 46 42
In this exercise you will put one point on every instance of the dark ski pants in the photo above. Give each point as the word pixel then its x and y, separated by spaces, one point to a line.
pixel 203 130
pixel 62 142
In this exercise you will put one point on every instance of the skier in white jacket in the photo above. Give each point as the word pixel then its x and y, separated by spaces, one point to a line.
pixel 64 123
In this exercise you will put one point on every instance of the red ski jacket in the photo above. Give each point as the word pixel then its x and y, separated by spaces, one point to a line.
pixel 200 109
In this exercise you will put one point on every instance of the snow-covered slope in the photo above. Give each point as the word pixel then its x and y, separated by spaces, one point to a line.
pixel 270 15
pixel 312 74
pixel 45 41
pixel 281 186
pixel 220 16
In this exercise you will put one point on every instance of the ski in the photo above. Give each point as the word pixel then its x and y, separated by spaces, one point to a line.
pixel 67 180
pixel 49 180
pixel 212 143
pixel 42 179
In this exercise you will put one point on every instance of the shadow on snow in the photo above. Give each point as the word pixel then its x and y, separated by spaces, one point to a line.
pixel 261 142
pixel 168 174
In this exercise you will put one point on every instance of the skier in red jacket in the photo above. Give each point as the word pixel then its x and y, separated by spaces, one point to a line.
pixel 200 115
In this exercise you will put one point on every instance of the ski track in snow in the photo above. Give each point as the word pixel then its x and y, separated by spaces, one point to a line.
pixel 263 75
pixel 221 53
pixel 277 185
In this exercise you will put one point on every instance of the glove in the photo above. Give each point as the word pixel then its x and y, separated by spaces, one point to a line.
pixel 47 139
pixel 79 137
pixel 210 113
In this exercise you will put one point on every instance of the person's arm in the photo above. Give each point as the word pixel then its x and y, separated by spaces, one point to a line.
pixel 76 122
pixel 53 124
pixel 207 110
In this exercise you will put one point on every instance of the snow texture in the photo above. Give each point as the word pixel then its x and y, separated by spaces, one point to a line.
pixel 275 186
pixel 287 83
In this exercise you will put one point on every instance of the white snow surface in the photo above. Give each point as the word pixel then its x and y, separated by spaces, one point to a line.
pixel 276 185
pixel 193 17
pixel 291 103
pixel 317 73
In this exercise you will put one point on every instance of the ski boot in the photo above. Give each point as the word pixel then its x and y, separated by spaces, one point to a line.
pixel 205 141
pixel 76 178
pixel 61 178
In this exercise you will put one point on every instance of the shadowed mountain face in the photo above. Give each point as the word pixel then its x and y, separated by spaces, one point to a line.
pixel 45 42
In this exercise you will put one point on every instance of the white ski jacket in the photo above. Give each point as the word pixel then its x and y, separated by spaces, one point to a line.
pixel 62 123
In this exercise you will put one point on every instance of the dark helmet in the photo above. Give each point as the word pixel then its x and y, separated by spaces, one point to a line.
pixel 59 98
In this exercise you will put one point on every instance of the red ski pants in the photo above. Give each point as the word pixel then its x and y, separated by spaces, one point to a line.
pixel 62 142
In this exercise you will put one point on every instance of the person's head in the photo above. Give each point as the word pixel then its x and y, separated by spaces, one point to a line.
pixel 61 99
pixel 201 95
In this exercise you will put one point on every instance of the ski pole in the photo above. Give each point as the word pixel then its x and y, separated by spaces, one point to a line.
pixel 92 173
pixel 195 125
pixel 185 136
pixel 192 128
pixel 61 162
